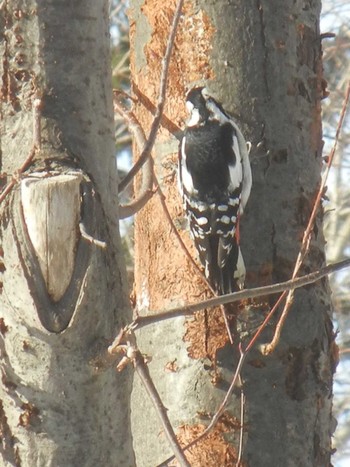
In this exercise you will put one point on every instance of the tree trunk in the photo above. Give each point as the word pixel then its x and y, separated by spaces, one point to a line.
pixel 262 60
pixel 63 296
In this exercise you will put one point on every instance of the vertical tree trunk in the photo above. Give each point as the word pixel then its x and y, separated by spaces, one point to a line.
pixel 63 298
pixel 262 60
pixel 289 394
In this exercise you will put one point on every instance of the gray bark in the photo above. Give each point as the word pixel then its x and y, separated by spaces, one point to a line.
pixel 62 301
pixel 275 56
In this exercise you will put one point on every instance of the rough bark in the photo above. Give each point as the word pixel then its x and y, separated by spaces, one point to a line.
pixel 63 298
pixel 261 59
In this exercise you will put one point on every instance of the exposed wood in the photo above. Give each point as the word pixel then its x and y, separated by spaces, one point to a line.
pixel 262 60
pixel 51 211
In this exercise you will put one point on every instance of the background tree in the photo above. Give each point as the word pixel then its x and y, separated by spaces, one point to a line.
pixel 58 406
pixel 264 63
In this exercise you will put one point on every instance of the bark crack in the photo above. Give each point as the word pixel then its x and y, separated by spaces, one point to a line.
pixel 263 42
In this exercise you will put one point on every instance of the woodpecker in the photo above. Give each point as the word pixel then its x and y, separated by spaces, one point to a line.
pixel 215 182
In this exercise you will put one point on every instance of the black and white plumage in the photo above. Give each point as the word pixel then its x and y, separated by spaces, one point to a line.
pixel 215 181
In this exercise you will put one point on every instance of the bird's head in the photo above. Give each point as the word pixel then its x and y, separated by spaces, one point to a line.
pixel 196 104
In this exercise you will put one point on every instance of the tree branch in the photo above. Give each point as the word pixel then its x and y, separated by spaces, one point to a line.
pixel 293 283
pixel 144 145
pixel 219 412
pixel 188 310
pixel 146 192
pixel 147 147
pixel 143 372
pixel 90 239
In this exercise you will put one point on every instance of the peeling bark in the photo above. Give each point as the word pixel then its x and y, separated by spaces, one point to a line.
pixel 262 60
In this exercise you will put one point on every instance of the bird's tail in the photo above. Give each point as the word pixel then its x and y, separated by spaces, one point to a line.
pixel 223 262
pixel 232 274
pixel 239 274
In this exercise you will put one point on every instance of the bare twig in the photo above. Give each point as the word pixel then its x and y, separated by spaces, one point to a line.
pixel 241 430
pixel 269 348
pixel 146 191
pixel 188 310
pixel 89 238
pixel 244 294
pixel 129 209
pixel 117 9
pixel 220 410
pixel 237 375
pixel 119 66
pixel 143 372
pixel 242 359
pixel 244 353
pixel 147 148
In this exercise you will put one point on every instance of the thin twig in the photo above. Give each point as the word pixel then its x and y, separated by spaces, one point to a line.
pixel 241 430
pixel 147 148
pixel 117 9
pixel 130 209
pixel 244 294
pixel 143 372
pixel 146 190
pixel 89 238
pixel 219 412
pixel 237 375
pixel 116 70
pixel 189 310
pixel 243 355
pixel 269 348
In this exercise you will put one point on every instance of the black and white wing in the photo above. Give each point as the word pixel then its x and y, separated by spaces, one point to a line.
pixel 215 182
